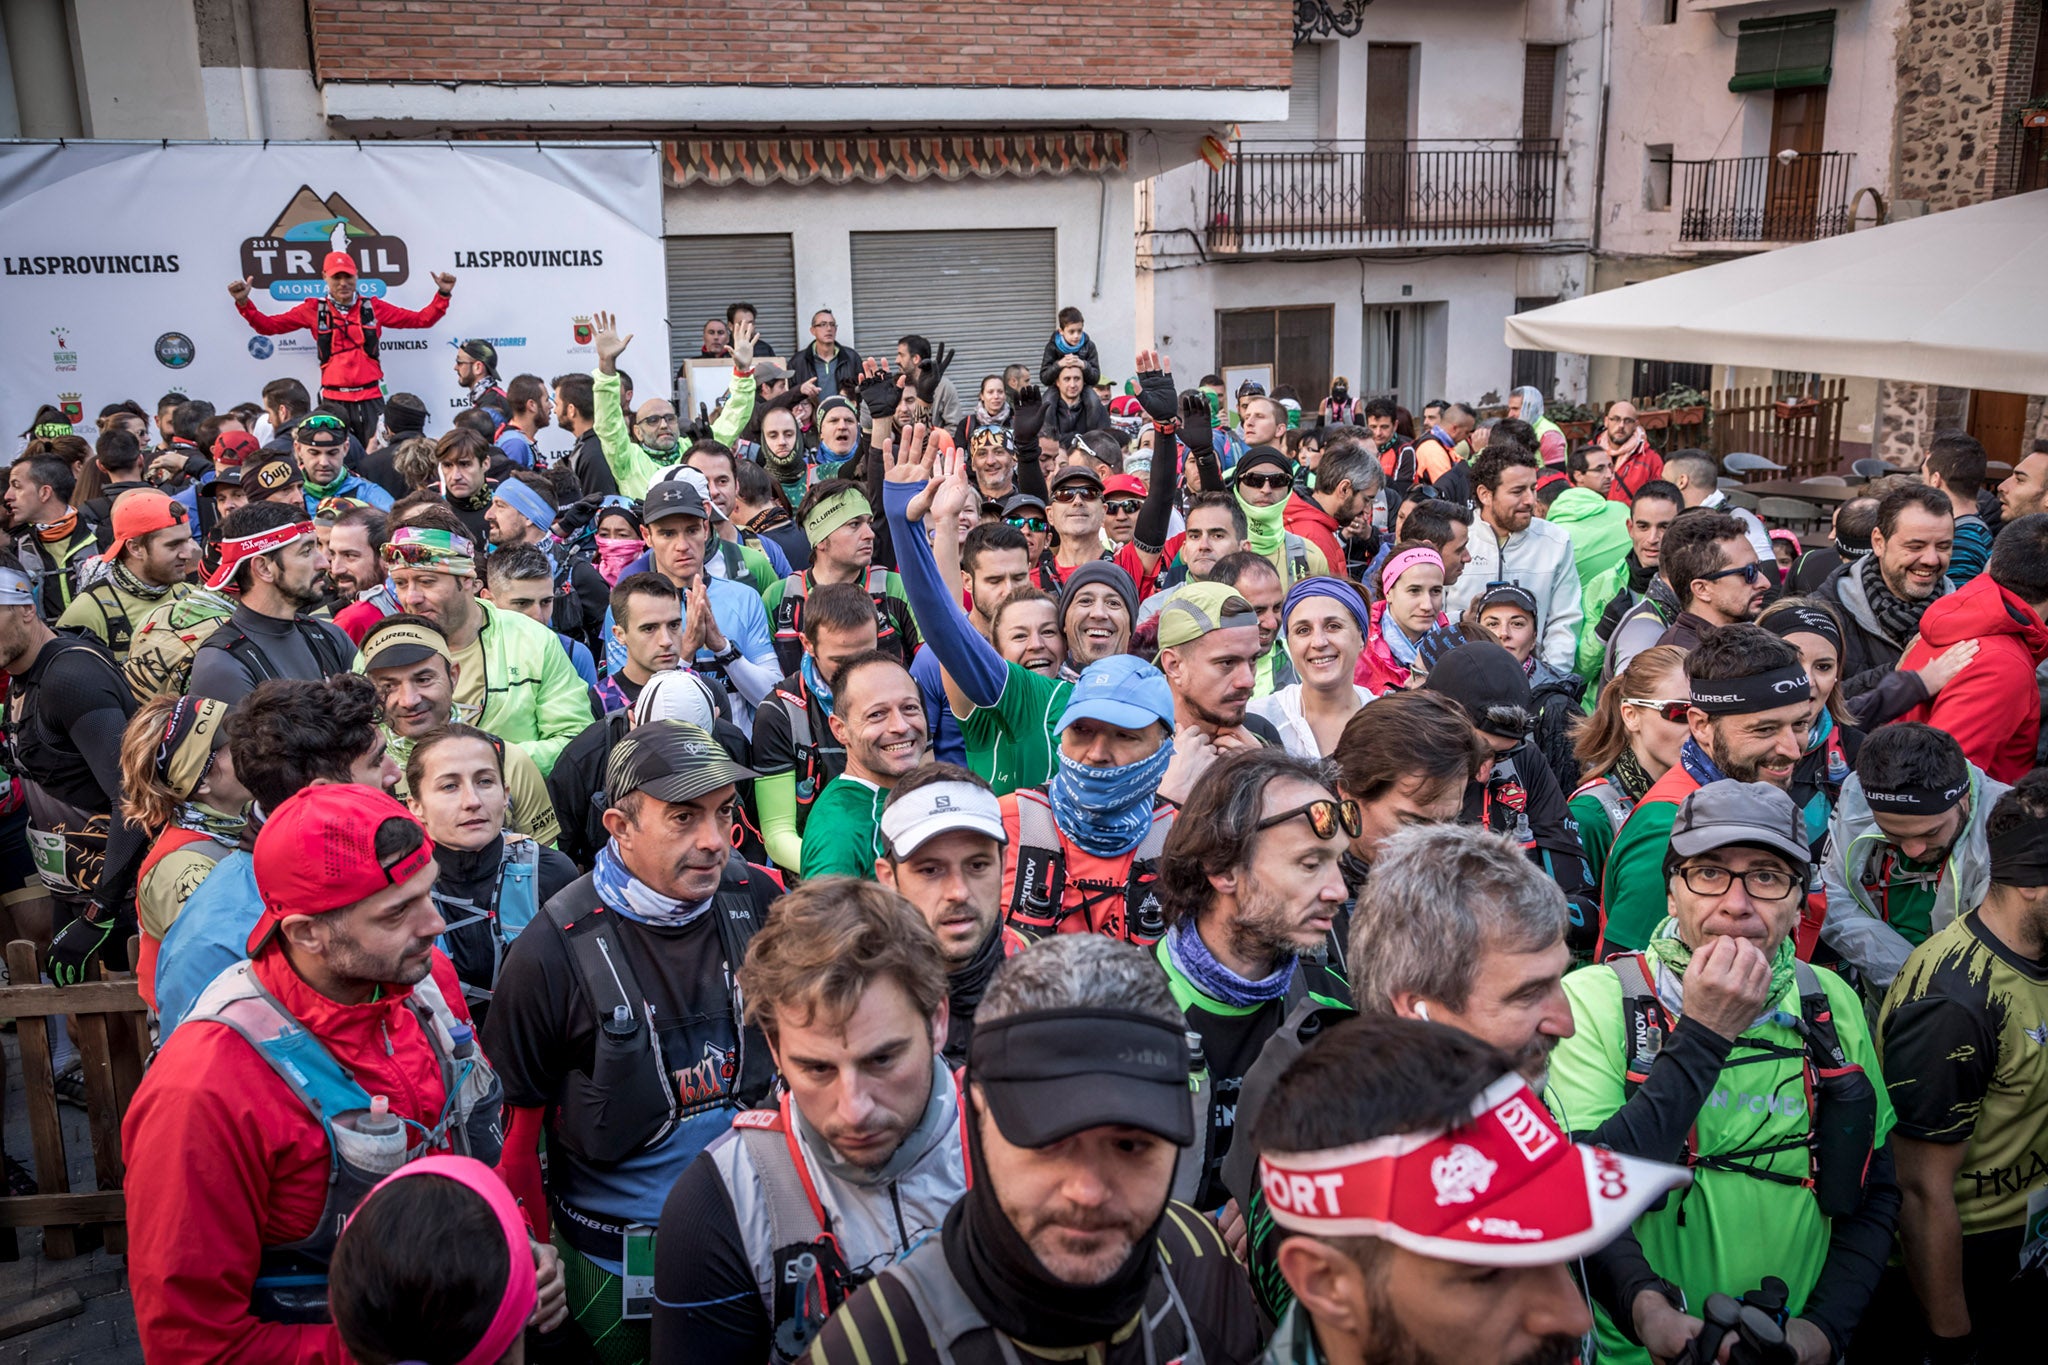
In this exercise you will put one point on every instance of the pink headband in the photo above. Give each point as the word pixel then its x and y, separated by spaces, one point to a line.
pixel 521 1292
pixel 1406 560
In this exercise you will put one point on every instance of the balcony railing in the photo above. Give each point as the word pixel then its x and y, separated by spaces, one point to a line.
pixel 1305 195
pixel 1764 198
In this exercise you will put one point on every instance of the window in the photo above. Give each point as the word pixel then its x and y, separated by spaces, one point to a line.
pixel 1648 378
pixel 1294 341
pixel 1657 183
pixel 1304 96
pixel 1538 368
pixel 1540 70
pixel 707 273
pixel 1656 12
pixel 1784 52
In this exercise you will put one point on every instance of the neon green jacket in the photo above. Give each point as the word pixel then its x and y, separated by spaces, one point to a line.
pixel 634 465
pixel 1599 532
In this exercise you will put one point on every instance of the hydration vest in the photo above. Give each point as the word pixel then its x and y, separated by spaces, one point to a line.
pixel 291 1281
pixel 243 650
pixel 160 656
pixel 1037 906
pixel 511 910
pixel 1841 1102
pixel 789 615
pixel 323 328
pixel 964 1337
pixel 810 769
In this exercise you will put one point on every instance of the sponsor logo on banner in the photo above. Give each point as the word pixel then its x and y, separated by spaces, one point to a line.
pixel 583 331
pixel 174 350
pixel 73 405
pixel 564 258
pixel 262 347
pixel 138 263
pixel 286 258
pixel 502 343
pixel 66 359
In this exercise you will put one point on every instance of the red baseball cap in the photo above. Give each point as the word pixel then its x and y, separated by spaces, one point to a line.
pixel 137 512
pixel 1506 1188
pixel 338 263
pixel 318 852
pixel 1129 484
pixel 234 448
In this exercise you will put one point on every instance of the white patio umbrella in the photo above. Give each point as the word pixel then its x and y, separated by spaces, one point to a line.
pixel 1957 298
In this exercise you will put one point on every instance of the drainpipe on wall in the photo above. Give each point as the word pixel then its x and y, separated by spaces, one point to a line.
pixel 253 112
pixel 1101 232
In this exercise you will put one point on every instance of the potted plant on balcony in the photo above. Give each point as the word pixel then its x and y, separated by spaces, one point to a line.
pixel 1575 420
pixel 1687 406
pixel 1794 406
pixel 2032 114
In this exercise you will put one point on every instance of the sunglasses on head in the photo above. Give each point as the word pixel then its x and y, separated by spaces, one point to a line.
pixel 1325 816
pixel 1752 573
pixel 1073 496
pixel 414 555
pixel 1670 710
pixel 1122 507
pixel 1038 524
pixel 1265 481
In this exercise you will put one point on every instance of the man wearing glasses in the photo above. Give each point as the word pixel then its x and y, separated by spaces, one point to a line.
pixel 1251 889
pixel 1714 577
pixel 824 367
pixel 1787 1142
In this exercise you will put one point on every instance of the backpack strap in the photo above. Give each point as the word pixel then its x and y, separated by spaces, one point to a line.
pixel 607 976
pixel 1039 888
pixel 1645 1022
pixel 1816 1012
pixel 366 315
pixel 519 896
pixel 1610 798
pixel 319 640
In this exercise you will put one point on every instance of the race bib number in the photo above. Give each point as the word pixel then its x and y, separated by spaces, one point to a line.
pixel 49 853
pixel 637 1280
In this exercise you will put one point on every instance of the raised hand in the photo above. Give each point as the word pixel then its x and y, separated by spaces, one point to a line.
pixel 949 489
pixel 605 338
pixel 1027 419
pixel 908 458
pixel 239 289
pixel 1155 387
pixel 932 371
pixel 444 283
pixel 743 338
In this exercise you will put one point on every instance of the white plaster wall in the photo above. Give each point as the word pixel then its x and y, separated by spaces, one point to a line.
pixel 820 220
pixel 288 105
pixel 138 69
pixel 1670 85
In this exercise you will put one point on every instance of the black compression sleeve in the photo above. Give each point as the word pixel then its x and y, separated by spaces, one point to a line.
pixel 1857 1249
pixel 1654 1122
pixel 1155 514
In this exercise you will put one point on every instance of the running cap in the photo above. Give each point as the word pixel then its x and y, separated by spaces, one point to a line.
pixel 1485 680
pixel 233 552
pixel 671 760
pixel 138 512
pixel 233 448
pixel 318 852
pixel 476 348
pixel 1508 595
pixel 400 644
pixel 914 818
pixel 1729 812
pixel 676 694
pixel 522 1283
pixel 338 263
pixel 321 431
pixel 1048 1074
pixel 1192 610
pixel 673 498
pixel 1121 690
pixel 1505 1189
pixel 1129 485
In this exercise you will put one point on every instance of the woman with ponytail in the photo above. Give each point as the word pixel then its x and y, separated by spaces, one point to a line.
pixel 1631 739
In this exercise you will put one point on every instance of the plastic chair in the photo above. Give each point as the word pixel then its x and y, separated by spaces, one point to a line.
pixel 1827 481
pixel 1874 469
pixel 1786 509
pixel 1738 498
pixel 1744 462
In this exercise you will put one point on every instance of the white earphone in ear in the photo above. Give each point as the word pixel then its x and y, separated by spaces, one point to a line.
pixel 1421 1010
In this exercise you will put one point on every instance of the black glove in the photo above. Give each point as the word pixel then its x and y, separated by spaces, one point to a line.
pixel 76 947
pixel 932 371
pixel 882 394
pixel 578 515
pixel 1195 432
pixel 1155 395
pixel 1027 420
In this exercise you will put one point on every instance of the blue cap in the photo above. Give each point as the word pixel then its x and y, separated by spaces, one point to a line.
pixel 1121 690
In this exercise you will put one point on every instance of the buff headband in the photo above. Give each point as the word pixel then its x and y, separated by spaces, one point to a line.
pixel 424 547
pixel 233 552
pixel 526 502
pixel 1917 800
pixel 1337 590
pixel 15 589
pixel 834 512
pixel 1763 692
pixel 1406 560
pixel 2019 857
pixel 1805 620
pixel 192 735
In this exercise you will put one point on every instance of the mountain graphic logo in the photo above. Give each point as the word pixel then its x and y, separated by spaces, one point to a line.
pixel 285 259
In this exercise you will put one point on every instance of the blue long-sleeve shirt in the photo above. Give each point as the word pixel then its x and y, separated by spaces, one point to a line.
pixel 977 669
pixel 948 744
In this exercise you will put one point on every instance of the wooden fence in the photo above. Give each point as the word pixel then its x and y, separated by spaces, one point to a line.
pixel 1807 440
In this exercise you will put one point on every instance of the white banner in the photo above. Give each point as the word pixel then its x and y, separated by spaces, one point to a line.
pixel 115 261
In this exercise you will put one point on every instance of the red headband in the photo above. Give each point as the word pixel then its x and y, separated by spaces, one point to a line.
pixel 233 552
pixel 1507 1188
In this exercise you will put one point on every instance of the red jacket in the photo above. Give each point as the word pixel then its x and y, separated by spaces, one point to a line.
pixel 223 1160
pixel 1635 464
pixel 1992 707
pixel 1307 519
pixel 350 374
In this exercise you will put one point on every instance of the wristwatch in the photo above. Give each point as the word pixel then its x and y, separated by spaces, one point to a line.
pixel 727 656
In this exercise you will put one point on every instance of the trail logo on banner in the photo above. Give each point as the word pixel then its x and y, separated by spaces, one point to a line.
pixel 285 260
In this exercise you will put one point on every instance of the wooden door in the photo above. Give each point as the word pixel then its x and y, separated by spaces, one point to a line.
pixel 1388 131
pixel 1798 124
pixel 1999 422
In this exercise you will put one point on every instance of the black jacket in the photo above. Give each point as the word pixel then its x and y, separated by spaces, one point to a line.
pixel 843 368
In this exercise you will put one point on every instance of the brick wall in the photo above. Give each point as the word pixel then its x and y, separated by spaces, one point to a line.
pixel 1237 44
pixel 1963 66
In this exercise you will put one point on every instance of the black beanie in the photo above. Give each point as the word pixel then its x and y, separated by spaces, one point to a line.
pixel 1486 680
pixel 405 415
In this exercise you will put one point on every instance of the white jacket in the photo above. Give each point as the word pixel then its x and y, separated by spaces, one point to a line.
pixel 1538 559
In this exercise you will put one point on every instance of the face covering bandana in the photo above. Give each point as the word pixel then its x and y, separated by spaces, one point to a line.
pixel 815 681
pixel 1107 810
pixel 635 899
pixel 1192 959
pixel 614 555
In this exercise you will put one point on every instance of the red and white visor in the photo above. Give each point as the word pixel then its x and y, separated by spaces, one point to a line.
pixel 1506 1189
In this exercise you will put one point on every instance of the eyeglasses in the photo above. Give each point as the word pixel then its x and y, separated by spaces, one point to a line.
pixel 1325 816
pixel 1762 883
pixel 1670 710
pixel 1752 573
pixel 1075 496
pixel 1122 507
pixel 1267 481
pixel 1038 524
pixel 659 419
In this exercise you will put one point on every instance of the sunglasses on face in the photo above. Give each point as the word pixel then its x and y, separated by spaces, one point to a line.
pixel 1752 573
pixel 1075 496
pixel 1266 481
pixel 1325 817
pixel 1122 507
pixel 1674 711
pixel 1038 524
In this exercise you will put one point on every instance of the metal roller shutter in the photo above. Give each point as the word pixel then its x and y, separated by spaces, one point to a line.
pixel 992 296
pixel 1304 100
pixel 707 273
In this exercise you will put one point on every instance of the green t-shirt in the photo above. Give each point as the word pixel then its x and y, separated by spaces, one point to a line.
pixel 1728 1231
pixel 843 836
pixel 1961 1033
pixel 1011 745
pixel 1632 891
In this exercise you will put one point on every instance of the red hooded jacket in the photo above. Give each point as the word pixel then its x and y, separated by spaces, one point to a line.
pixel 1307 519
pixel 1992 707
pixel 223 1161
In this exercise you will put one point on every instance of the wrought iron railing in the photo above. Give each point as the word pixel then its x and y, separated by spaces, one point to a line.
pixel 1764 198
pixel 1304 194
